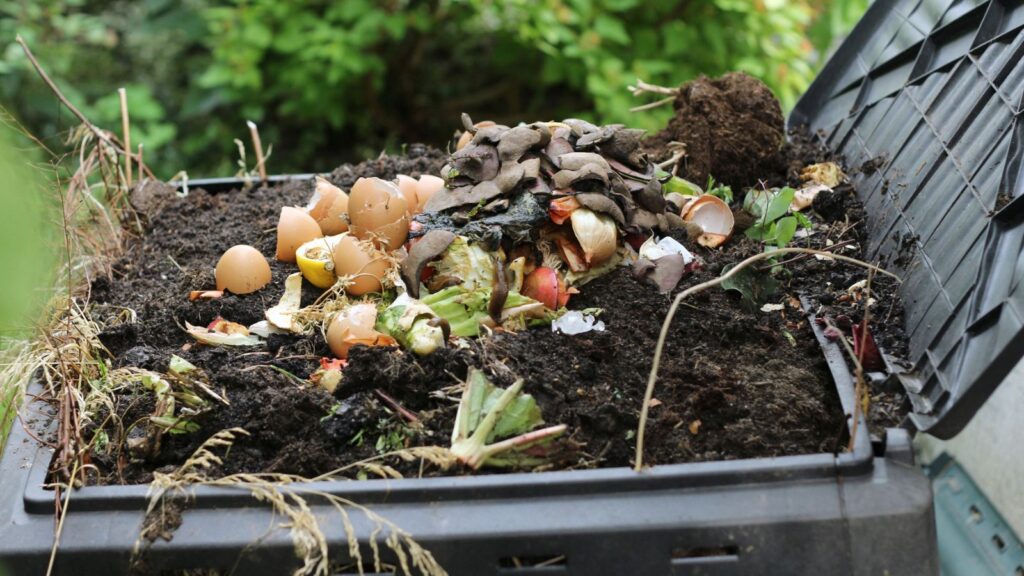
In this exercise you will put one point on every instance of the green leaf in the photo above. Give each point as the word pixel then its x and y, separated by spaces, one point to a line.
pixel 755 287
pixel 611 29
pixel 779 205
pixel 179 365
pixel 785 228
pixel 761 232
pixel 803 220
pixel 682 186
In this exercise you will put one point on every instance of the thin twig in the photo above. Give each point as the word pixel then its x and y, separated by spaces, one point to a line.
pixel 860 393
pixel 645 88
pixel 402 411
pixel 142 165
pixel 651 105
pixel 804 256
pixel 663 335
pixel 126 134
pixel 678 153
pixel 60 96
pixel 258 145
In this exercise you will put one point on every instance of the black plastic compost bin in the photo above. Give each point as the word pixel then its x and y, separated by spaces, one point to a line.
pixel 927 92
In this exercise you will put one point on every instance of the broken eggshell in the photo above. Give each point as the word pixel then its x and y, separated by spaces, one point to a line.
pixel 426 187
pixel 408 186
pixel 294 228
pixel 242 270
pixel 363 266
pixel 329 207
pixel 377 212
pixel 355 325
pixel 713 216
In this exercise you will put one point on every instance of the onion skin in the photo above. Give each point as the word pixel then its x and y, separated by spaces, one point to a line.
pixel 560 209
pixel 547 287
pixel 596 234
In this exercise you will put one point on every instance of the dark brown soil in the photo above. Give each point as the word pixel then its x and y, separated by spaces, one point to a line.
pixel 733 384
pixel 732 127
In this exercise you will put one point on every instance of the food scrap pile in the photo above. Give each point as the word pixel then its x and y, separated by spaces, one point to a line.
pixel 520 280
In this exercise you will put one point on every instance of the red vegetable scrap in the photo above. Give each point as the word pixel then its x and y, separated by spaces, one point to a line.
pixel 328 376
pixel 547 287
pixel 562 208
pixel 865 349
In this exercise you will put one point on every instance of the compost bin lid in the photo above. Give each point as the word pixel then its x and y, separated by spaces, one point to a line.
pixel 924 100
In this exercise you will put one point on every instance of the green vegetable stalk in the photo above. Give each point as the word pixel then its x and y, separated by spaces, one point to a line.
pixel 413 324
pixel 466 264
pixel 487 413
pixel 466 310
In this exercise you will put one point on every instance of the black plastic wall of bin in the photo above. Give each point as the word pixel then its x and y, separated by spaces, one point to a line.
pixel 924 100
pixel 866 512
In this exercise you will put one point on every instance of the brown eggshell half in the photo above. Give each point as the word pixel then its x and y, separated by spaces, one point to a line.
pixel 329 207
pixel 354 325
pixel 242 270
pixel 407 185
pixel 426 187
pixel 294 228
pixel 377 212
pixel 713 216
pixel 364 266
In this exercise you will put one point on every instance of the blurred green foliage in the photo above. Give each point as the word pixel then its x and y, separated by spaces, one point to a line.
pixel 27 241
pixel 330 81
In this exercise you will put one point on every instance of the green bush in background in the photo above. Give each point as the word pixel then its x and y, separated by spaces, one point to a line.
pixel 27 261
pixel 330 81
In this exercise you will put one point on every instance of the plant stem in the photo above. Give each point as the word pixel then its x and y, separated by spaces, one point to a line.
pixel 60 95
pixel 643 88
pixel 491 419
pixel 258 145
pixel 522 440
pixel 861 406
pixel 663 335
pixel 126 134
pixel 651 105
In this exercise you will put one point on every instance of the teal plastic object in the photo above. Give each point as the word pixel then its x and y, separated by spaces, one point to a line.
pixel 974 539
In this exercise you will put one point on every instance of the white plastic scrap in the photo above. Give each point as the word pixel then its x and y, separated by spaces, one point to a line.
pixel 575 322
pixel 652 250
pixel 772 307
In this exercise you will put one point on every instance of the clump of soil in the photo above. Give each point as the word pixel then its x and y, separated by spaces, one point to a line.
pixel 735 383
pixel 732 127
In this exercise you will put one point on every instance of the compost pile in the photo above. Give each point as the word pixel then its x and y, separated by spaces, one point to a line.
pixel 501 302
